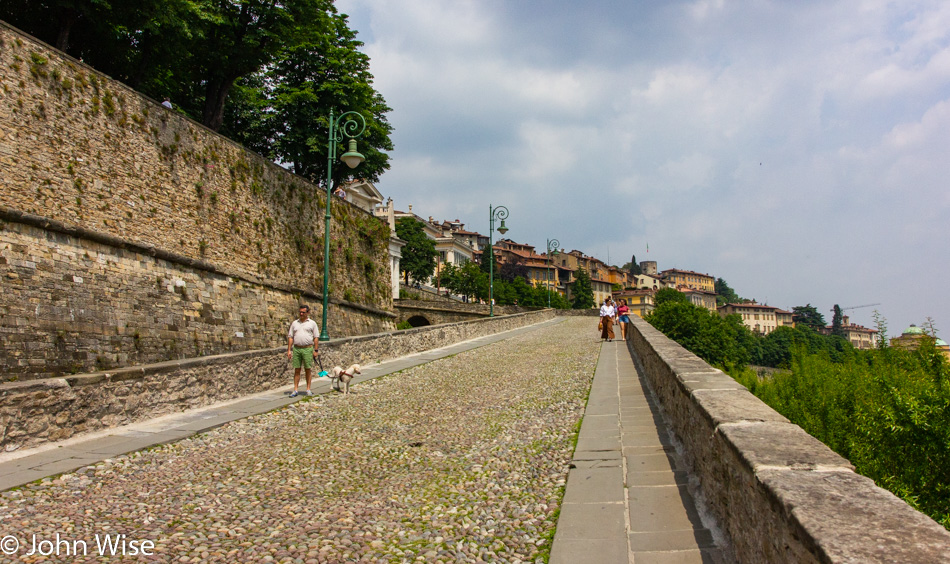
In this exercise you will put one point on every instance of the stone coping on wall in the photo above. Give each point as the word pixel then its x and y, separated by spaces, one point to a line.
pixel 41 411
pixel 454 307
pixel 590 312
pixel 779 494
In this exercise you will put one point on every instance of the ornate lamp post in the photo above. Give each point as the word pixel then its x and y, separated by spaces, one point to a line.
pixel 553 244
pixel 500 212
pixel 351 125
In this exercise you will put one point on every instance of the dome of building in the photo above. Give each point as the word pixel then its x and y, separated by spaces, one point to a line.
pixel 913 330
pixel 941 343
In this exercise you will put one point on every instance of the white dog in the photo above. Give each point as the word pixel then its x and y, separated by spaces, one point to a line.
pixel 340 376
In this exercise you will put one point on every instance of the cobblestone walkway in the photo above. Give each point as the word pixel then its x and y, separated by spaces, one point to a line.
pixel 463 459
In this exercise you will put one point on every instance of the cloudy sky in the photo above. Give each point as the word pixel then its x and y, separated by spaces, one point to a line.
pixel 800 150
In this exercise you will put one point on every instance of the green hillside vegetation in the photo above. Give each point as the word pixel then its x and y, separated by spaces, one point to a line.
pixel 886 410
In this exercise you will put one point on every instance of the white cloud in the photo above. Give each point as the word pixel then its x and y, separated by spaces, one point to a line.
pixel 795 149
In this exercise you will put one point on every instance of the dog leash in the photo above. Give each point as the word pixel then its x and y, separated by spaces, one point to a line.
pixel 323 373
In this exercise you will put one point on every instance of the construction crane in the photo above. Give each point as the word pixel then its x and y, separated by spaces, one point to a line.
pixel 837 310
pixel 857 307
pixel 854 307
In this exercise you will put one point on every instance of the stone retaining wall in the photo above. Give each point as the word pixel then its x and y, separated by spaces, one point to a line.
pixel 125 201
pixel 39 411
pixel 779 494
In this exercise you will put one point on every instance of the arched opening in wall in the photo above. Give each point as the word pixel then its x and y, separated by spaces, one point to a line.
pixel 418 321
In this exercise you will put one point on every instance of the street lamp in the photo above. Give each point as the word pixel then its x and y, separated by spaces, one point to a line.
pixel 351 125
pixel 553 244
pixel 500 212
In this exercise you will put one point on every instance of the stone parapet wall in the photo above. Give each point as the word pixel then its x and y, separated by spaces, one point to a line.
pixel 450 306
pixel 101 162
pixel 40 411
pixel 779 494
pixel 425 294
pixel 579 312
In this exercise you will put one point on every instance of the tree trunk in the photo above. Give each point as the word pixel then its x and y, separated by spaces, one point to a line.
pixel 145 53
pixel 215 96
pixel 66 21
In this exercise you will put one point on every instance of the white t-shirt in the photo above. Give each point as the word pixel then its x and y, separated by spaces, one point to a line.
pixel 303 334
pixel 607 310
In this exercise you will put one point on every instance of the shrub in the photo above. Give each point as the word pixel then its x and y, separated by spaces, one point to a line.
pixel 887 411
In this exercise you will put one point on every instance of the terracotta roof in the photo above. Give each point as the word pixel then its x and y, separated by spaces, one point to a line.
pixel 640 292
pixel 687 290
pixel 760 306
pixel 686 272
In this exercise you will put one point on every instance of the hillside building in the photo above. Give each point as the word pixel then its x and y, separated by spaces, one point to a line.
pixel 676 278
pixel 860 337
pixel 760 318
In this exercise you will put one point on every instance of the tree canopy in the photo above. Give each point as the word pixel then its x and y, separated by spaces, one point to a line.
pixel 632 267
pixel 723 342
pixel 725 294
pixel 582 295
pixel 264 72
pixel 418 256
pixel 469 280
pixel 836 322
pixel 664 295
pixel 808 315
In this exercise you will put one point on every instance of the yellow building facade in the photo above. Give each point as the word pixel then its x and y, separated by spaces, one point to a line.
pixel 689 279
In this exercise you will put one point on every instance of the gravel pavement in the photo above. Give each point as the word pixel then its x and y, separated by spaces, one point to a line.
pixel 463 459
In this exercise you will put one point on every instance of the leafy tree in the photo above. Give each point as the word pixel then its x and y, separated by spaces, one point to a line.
pixel 488 260
pixel 59 22
pixel 808 315
pixel 582 294
pixel 836 321
pixel 883 410
pixel 725 294
pixel 448 277
pixel 557 300
pixel 264 72
pixel 511 271
pixel 504 293
pixel 243 36
pixel 466 280
pixel 664 295
pixel 633 267
pixel 418 256
pixel 880 323
pixel 719 341
pixel 290 124
pixel 780 346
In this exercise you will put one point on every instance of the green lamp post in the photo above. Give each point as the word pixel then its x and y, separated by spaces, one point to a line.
pixel 553 245
pixel 350 125
pixel 501 213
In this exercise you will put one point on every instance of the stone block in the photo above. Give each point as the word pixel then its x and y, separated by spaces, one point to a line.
pixel 731 406
pixel 844 517
pixel 596 485
pixel 773 444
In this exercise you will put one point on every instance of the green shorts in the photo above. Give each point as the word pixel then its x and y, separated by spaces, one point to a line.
pixel 303 356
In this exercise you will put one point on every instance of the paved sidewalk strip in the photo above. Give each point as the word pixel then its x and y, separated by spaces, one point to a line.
pixel 626 499
pixel 29 465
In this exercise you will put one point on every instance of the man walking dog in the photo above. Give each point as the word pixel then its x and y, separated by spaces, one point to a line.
pixel 302 347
